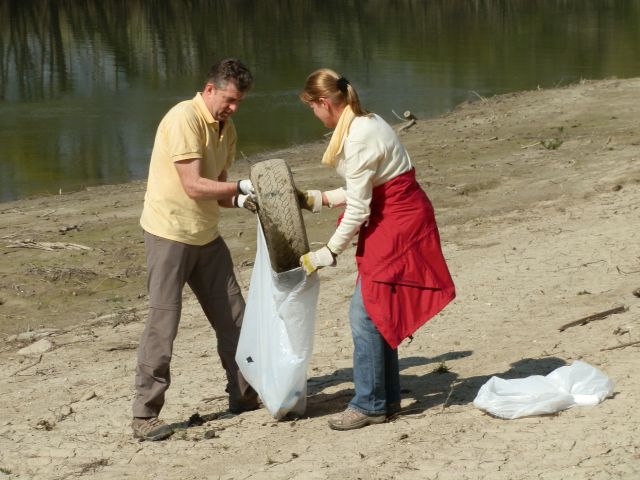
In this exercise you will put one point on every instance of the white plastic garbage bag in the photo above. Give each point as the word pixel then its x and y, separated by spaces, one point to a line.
pixel 576 384
pixel 276 340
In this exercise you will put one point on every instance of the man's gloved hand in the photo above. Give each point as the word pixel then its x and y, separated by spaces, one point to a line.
pixel 246 187
pixel 310 200
pixel 312 261
pixel 250 202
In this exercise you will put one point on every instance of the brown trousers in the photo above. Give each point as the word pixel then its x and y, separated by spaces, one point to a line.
pixel 208 270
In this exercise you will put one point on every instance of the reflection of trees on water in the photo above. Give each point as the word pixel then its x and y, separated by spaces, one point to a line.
pixel 83 83
pixel 48 48
pixel 51 47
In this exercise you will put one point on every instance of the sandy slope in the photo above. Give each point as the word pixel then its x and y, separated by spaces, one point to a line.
pixel 535 238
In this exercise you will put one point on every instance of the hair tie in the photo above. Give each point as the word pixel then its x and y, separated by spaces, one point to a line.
pixel 342 84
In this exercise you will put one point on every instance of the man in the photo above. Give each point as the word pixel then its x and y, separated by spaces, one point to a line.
pixel 194 147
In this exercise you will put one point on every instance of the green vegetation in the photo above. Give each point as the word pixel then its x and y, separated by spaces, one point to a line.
pixel 441 369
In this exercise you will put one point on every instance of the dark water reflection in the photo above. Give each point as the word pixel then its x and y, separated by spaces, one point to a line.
pixel 83 83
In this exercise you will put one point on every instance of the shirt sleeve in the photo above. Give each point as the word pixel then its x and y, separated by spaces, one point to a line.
pixel 361 159
pixel 184 135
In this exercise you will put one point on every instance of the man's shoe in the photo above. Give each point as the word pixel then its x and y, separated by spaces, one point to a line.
pixel 151 429
pixel 393 409
pixel 238 408
pixel 351 419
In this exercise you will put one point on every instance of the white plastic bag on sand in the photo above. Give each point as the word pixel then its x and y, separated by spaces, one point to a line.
pixel 577 384
pixel 276 340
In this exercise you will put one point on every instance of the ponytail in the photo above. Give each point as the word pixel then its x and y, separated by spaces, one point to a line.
pixel 327 83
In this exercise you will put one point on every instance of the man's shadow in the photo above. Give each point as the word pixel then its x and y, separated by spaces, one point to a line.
pixel 439 386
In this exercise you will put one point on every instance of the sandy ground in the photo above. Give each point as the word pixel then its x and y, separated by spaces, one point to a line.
pixel 535 237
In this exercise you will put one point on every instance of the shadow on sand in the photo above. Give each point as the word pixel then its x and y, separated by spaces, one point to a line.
pixel 438 387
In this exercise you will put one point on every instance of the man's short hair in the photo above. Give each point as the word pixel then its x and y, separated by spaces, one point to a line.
pixel 230 70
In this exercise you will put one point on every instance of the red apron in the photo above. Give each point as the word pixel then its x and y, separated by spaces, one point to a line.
pixel 404 276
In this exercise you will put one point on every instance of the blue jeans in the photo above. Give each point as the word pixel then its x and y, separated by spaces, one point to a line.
pixel 376 374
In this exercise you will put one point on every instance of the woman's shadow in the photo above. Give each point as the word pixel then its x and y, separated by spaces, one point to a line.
pixel 428 382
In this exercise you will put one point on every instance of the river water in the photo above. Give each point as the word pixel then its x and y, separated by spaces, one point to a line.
pixel 83 84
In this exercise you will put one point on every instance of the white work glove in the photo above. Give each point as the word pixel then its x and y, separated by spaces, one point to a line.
pixel 250 202
pixel 246 187
pixel 312 261
pixel 310 200
pixel 336 198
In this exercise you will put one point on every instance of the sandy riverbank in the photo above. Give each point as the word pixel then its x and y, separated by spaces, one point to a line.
pixel 535 236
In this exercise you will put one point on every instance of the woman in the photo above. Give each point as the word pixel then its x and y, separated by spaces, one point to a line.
pixel 403 279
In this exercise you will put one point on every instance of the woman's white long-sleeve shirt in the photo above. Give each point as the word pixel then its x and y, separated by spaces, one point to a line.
pixel 371 155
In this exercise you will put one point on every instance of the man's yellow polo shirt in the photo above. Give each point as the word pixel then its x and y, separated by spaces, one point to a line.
pixel 187 131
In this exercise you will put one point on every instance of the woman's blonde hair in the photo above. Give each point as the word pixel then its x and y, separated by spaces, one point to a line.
pixel 329 84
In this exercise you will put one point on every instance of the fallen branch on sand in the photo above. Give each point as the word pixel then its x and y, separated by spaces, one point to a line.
pixel 530 145
pixel 622 345
pixel 482 99
pixel 50 246
pixel 122 346
pixel 594 317
pixel 409 119
pixel 407 126
pixel 27 367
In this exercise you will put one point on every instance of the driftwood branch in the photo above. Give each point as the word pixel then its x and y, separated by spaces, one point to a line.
pixel 622 345
pixel 27 367
pixel 478 95
pixel 44 215
pixel 594 317
pixel 408 115
pixel 50 246
pixel 407 125
pixel 626 273
pixel 408 118
pixel 123 346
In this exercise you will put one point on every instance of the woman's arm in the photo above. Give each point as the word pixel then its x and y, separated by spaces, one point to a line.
pixel 361 161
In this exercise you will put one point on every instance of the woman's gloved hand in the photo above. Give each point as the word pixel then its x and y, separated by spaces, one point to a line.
pixel 312 261
pixel 336 198
pixel 310 200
